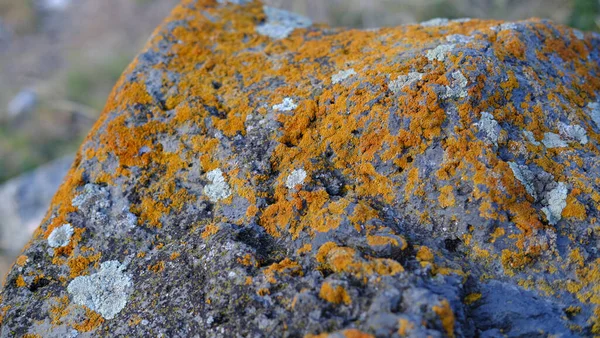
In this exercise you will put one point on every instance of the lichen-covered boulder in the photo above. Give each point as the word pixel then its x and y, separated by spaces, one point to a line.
pixel 255 175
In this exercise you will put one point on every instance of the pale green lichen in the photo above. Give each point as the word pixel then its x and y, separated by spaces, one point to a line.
pixel 439 53
pixel 490 127
pixel 403 81
pixel 296 177
pixel 342 75
pixel 280 24
pixel 105 292
pixel 525 176
pixel 60 236
pixel 556 202
pixel 286 105
pixel 552 140
pixel 218 189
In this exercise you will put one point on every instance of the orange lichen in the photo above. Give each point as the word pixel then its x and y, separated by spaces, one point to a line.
pixel 404 326
pixel 472 298
pixel 446 198
pixel 286 266
pixel 21 260
pixel 210 230
pixel 20 282
pixel 334 294
pixel 158 267
pixel 444 311
pixel 92 321
pixel 79 265
pixel 175 255
pixel 425 254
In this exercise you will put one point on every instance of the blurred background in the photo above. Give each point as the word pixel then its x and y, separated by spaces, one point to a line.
pixel 60 58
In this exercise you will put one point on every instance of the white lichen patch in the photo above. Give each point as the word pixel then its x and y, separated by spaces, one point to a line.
pixel 218 189
pixel 342 75
pixel 458 89
pixel 296 177
pixel 60 236
pixel 459 38
pixel 578 34
pixel 235 2
pixel 402 81
pixel 286 105
pixel 556 202
pixel 525 176
pixel 105 292
pixel 505 26
pixel 552 140
pixel 488 125
pixel 530 137
pixel 594 113
pixel 280 24
pixel 439 53
pixel 436 22
pixel 573 133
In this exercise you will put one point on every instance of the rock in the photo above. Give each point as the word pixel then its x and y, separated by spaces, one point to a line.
pixel 254 175
pixel 25 200
pixel 23 103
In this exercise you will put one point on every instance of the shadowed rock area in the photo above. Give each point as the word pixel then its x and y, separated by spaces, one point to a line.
pixel 257 175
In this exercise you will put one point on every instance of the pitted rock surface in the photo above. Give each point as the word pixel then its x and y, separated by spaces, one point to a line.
pixel 257 175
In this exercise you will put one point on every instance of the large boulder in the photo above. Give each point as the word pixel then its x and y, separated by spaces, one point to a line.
pixel 255 175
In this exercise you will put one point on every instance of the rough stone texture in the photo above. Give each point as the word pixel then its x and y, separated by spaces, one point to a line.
pixel 451 203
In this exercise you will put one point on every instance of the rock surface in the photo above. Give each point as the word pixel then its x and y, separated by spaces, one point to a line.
pixel 254 175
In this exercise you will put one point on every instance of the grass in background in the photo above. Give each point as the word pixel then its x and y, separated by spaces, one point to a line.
pixel 585 15
pixel 20 15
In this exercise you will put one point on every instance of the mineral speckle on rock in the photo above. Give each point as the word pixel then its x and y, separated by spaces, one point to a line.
pixel 254 175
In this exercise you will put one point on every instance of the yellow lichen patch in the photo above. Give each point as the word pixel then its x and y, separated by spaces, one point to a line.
pixel 263 292
pixel 306 248
pixel 498 232
pixel 80 265
pixel 404 326
pixel 22 260
pixel 20 282
pixel 158 267
pixel 210 230
pixel 446 198
pixel 286 266
pixel 373 240
pixel 354 333
pixel 334 294
pixel 91 322
pixel 472 298
pixel 444 311
pixel 58 309
pixel 574 209
pixel 344 259
pixel 175 255
pixel 425 254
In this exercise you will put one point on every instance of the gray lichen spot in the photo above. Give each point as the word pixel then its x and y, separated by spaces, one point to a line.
pixel 505 26
pixel 578 34
pixel 574 133
pixel 287 105
pixel 459 38
pixel 402 81
pixel 556 201
pixel 296 177
pixel 218 189
pixel 60 236
pixel 280 24
pixel 342 75
pixel 105 292
pixel 439 52
pixel 435 22
pixel 93 202
pixel 490 127
pixel 552 140
pixel 594 112
pixel 458 89
pixel 235 2
pixel 530 137
pixel 525 176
